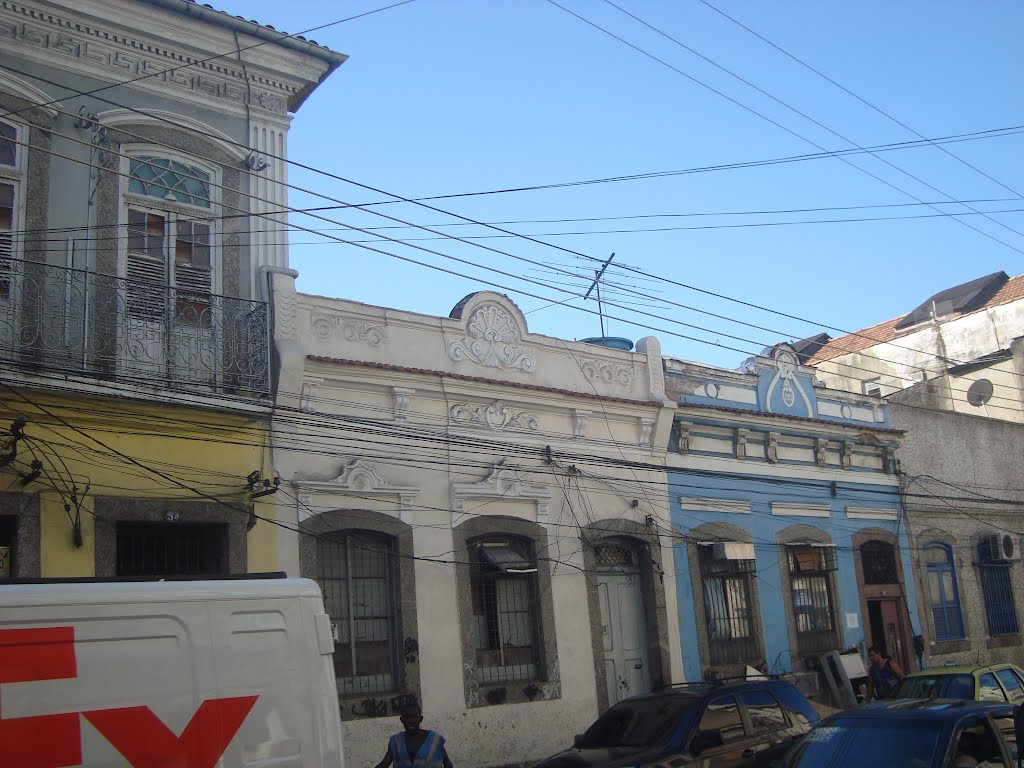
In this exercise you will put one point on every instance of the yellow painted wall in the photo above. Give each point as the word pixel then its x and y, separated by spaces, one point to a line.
pixel 209 451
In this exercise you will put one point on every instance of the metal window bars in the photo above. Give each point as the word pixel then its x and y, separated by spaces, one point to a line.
pixel 357 573
pixel 878 562
pixel 812 591
pixel 997 591
pixel 506 615
pixel 728 590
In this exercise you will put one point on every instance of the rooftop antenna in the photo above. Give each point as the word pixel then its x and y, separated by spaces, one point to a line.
pixel 598 274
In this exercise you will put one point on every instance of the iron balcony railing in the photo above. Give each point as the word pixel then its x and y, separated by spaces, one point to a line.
pixel 70 321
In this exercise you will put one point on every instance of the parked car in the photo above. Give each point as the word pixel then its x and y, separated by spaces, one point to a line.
pixel 925 733
pixel 996 682
pixel 734 723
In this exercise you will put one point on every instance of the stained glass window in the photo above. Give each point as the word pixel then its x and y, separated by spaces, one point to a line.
pixel 168 179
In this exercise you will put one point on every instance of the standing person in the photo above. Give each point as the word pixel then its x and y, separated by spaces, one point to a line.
pixel 883 674
pixel 415 747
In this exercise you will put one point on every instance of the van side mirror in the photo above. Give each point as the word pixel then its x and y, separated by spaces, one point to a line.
pixel 706 740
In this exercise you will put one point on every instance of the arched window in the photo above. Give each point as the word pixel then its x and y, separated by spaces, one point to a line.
pixel 943 595
pixel 728 574
pixel 506 621
pixel 811 579
pixel 358 577
pixel 878 561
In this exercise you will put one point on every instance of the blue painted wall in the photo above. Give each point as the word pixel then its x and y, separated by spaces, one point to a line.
pixel 775 384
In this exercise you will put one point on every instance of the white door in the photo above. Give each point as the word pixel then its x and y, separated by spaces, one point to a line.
pixel 623 625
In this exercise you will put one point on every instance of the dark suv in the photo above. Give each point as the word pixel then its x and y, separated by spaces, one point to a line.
pixel 742 723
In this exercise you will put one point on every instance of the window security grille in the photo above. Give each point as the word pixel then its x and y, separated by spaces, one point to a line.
pixel 171 549
pixel 997 590
pixel 878 562
pixel 613 557
pixel 503 582
pixel 943 595
pixel 813 597
pixel 728 587
pixel 358 578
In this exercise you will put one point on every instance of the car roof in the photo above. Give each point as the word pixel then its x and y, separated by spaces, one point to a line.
pixel 964 669
pixel 917 709
pixel 699 689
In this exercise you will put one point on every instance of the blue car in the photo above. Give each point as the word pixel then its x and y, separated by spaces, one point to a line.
pixel 735 724
pixel 926 733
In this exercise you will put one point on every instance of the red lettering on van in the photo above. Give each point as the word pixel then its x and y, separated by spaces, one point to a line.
pixel 145 742
pixel 55 741
pixel 48 741
pixel 37 654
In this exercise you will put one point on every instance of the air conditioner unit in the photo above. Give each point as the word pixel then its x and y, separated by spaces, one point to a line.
pixel 1000 547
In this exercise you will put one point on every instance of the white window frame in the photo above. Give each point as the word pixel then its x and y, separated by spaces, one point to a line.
pixel 15 176
pixel 171 210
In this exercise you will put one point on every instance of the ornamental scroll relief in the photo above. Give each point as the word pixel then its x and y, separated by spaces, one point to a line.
pixel 495 416
pixel 350 330
pixel 615 374
pixel 492 339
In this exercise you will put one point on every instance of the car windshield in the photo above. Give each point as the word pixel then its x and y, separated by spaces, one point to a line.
pixel 929 686
pixel 637 723
pixel 867 744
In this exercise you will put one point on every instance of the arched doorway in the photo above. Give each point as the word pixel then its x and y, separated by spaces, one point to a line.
pixel 623 619
pixel 882 595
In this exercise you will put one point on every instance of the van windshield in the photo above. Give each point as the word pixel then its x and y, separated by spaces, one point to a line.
pixel 637 723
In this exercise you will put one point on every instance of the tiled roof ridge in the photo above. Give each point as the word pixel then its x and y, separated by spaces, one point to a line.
pixel 885 331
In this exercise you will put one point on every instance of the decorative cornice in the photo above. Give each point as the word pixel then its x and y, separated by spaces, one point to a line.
pixel 357 478
pixel 503 483
pixel 495 415
pixel 70 42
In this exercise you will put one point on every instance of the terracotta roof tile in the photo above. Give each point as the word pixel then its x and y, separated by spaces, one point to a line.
pixel 1012 290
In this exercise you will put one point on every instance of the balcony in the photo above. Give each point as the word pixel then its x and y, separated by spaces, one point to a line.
pixel 55 320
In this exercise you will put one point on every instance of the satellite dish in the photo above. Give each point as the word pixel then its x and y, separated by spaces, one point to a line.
pixel 979 393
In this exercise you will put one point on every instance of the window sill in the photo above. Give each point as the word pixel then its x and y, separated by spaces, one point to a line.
pixel 940 647
pixel 1004 641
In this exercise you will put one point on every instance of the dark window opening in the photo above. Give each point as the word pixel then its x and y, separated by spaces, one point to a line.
pixel 813 596
pixel 728 587
pixel 506 615
pixel 8 545
pixel 878 561
pixel 358 574
pixel 997 591
pixel 171 549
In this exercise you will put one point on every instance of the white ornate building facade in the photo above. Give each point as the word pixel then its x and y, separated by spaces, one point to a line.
pixel 485 511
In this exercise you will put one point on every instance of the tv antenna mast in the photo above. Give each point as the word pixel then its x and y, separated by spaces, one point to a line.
pixel 598 274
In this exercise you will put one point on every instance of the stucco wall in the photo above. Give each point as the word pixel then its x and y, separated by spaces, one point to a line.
pixel 962 483
pixel 421 419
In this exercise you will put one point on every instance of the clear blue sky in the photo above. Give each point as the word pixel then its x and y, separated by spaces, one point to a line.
pixel 452 96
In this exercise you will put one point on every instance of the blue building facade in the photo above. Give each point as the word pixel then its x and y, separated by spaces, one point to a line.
pixel 787 505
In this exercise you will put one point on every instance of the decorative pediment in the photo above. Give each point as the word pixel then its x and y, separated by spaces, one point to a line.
pixel 505 483
pixel 494 330
pixel 357 479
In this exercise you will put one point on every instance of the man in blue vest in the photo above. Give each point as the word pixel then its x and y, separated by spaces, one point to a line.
pixel 415 747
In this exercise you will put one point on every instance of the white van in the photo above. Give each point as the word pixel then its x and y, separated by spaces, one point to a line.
pixel 182 674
